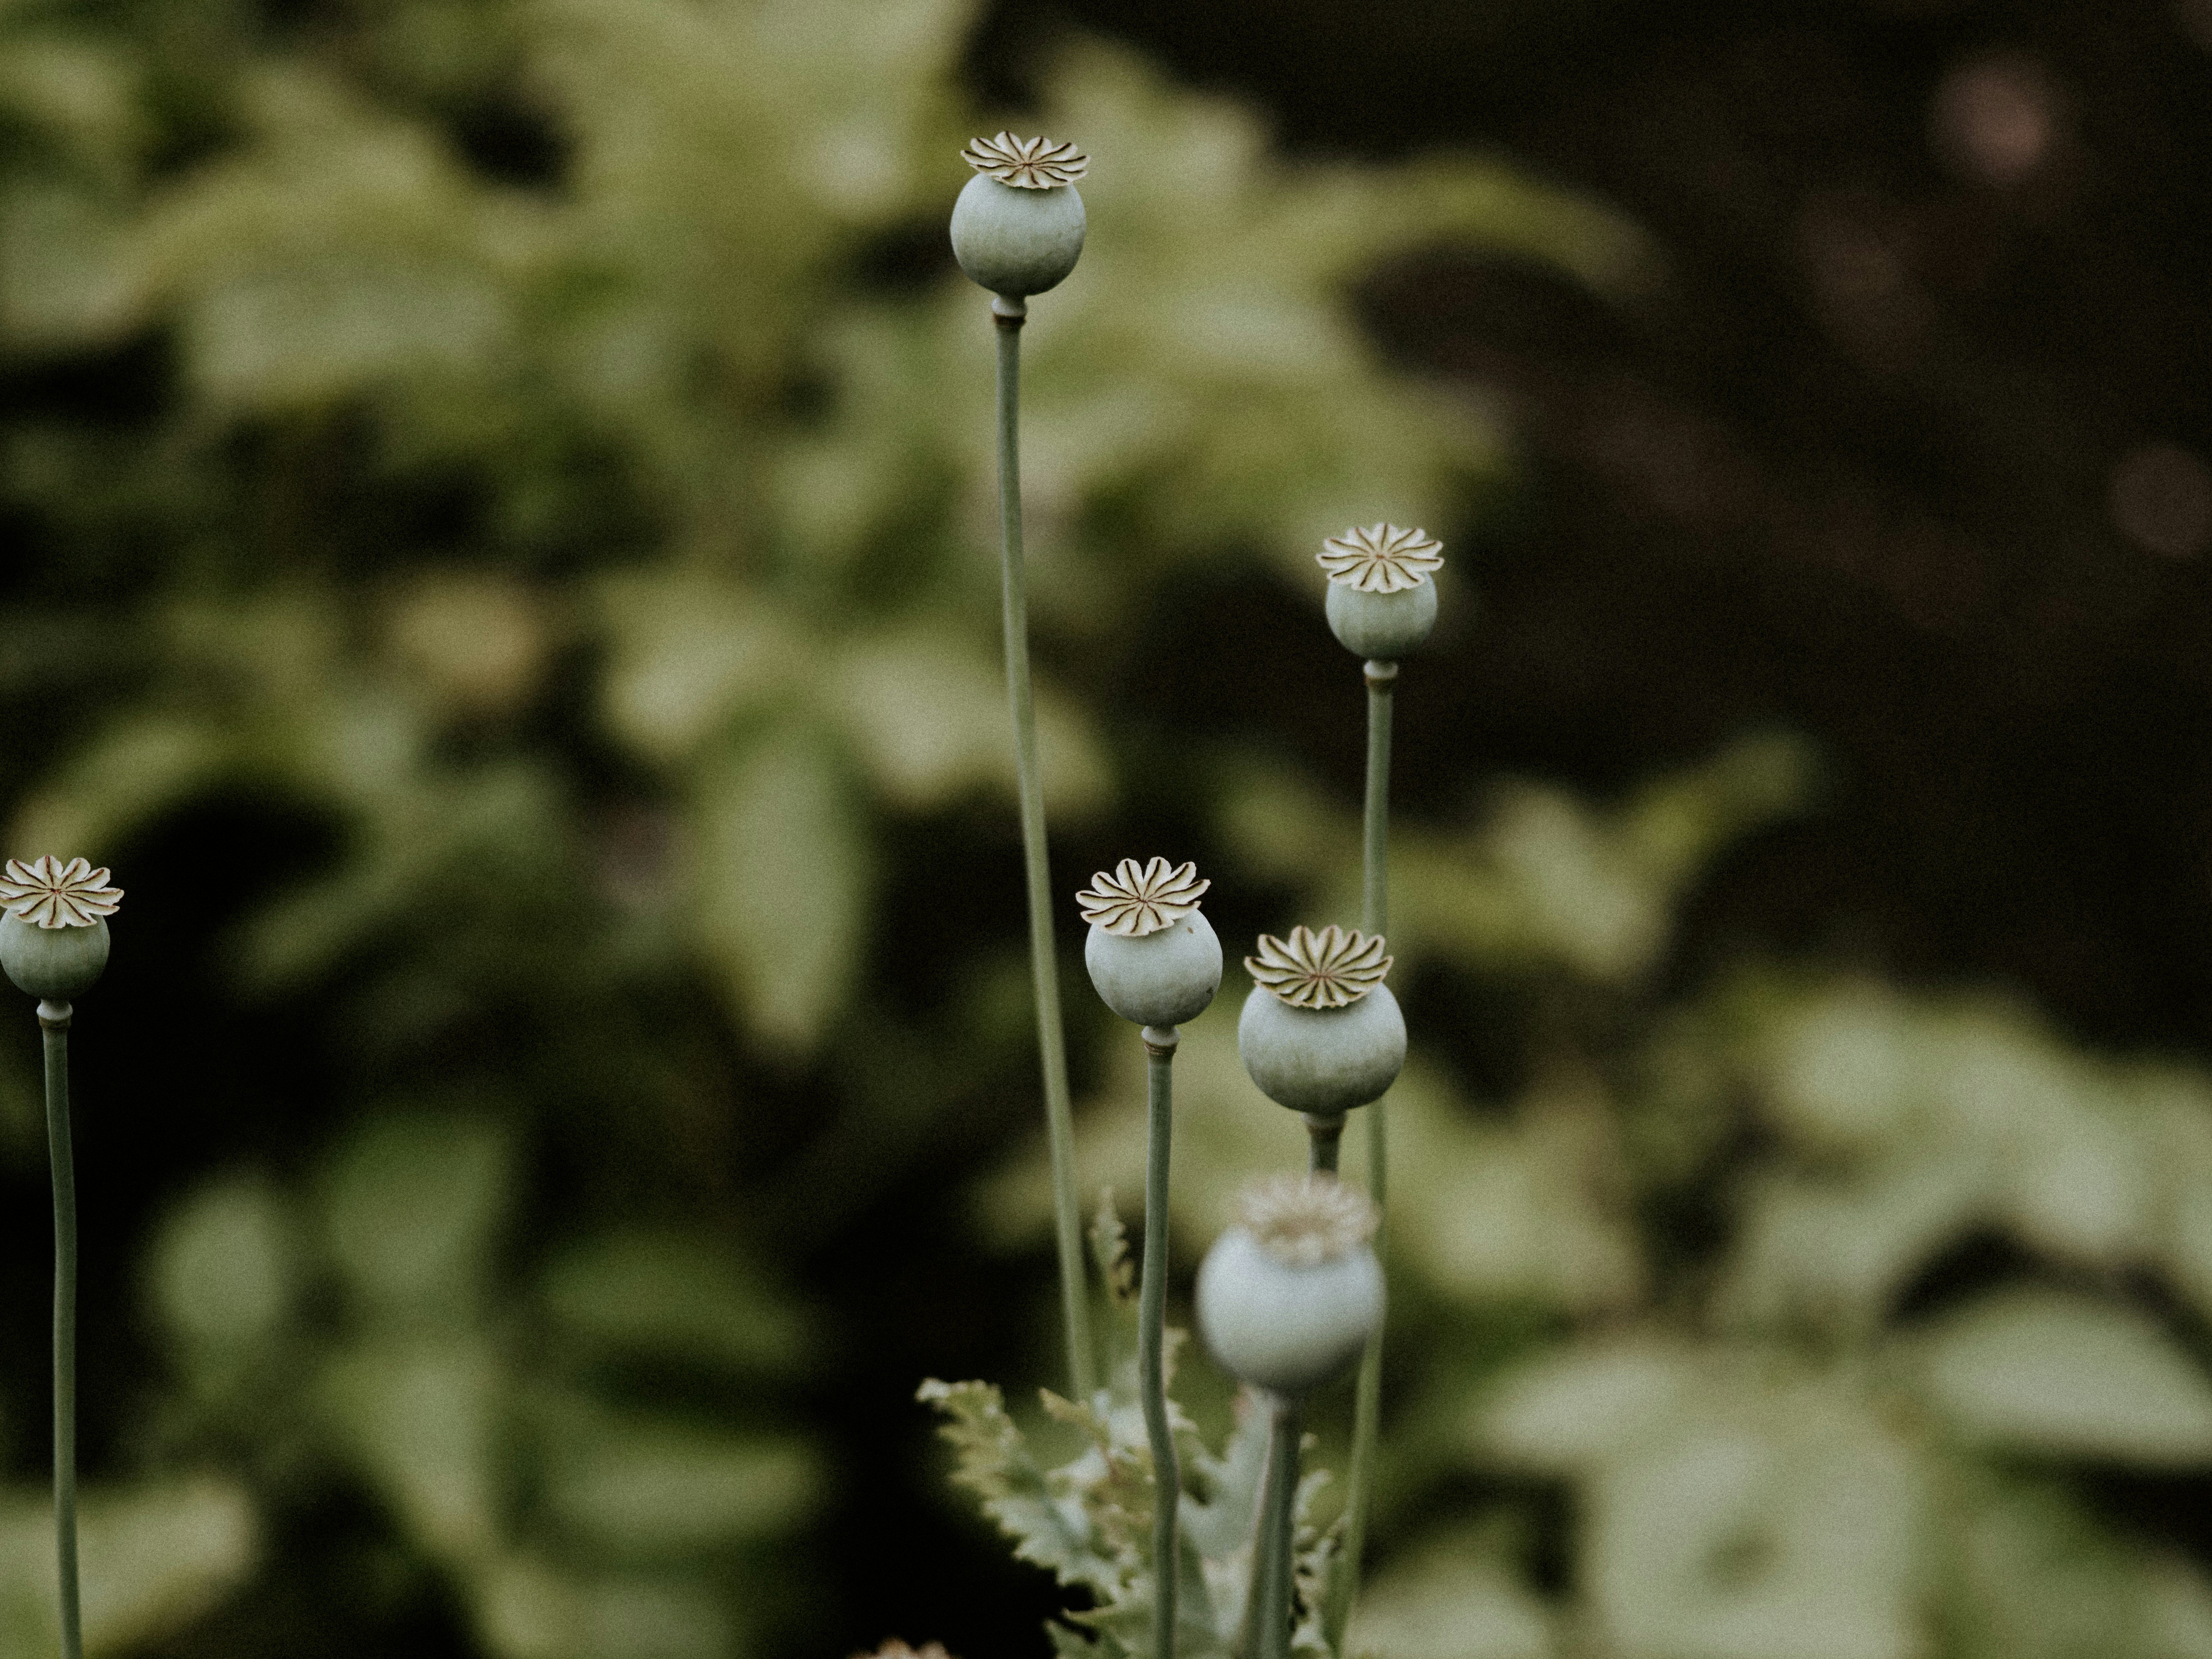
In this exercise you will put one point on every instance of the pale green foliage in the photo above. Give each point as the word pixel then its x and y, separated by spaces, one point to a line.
pixel 1089 1520
pixel 815 626
pixel 573 1518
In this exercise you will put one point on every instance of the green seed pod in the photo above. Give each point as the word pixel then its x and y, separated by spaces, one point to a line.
pixel 54 934
pixel 1321 1033
pixel 1017 227
pixel 1382 627
pixel 1153 957
pixel 1380 602
pixel 1289 1295
pixel 55 964
pixel 1322 1061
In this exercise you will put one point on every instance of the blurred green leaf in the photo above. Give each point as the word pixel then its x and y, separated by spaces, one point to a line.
pixel 672 1295
pixel 2068 1377
pixel 412 1207
pixel 227 1267
pixel 783 878
pixel 154 1558
pixel 645 1491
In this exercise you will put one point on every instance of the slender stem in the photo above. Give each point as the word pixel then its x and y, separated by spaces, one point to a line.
pixel 1151 1319
pixel 1052 1042
pixel 1325 1136
pixel 1374 885
pixel 1273 1567
pixel 54 1023
pixel 1367 1407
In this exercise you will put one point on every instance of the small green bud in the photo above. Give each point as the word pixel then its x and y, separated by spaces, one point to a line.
pixel 1017 227
pixel 1321 1033
pixel 53 934
pixel 1288 1295
pixel 1153 957
pixel 1380 602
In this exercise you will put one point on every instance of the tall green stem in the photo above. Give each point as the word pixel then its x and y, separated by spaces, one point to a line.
pixel 54 1023
pixel 1052 1043
pixel 1274 1567
pixel 1151 1320
pixel 1367 1407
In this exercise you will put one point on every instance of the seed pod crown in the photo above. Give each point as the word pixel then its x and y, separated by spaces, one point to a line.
pixel 1332 968
pixel 1026 163
pixel 1134 902
pixel 1380 558
pixel 51 894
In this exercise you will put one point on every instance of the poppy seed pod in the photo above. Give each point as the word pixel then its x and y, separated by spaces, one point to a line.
pixel 1381 601
pixel 1321 1033
pixel 53 935
pixel 1017 227
pixel 1152 955
pixel 55 964
pixel 1289 1295
pixel 1382 627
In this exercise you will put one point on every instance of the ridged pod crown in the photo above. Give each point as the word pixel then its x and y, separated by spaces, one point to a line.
pixel 1332 968
pixel 1026 163
pixel 1380 558
pixel 51 894
pixel 1134 902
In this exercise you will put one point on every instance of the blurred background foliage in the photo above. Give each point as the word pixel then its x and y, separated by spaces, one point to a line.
pixel 500 521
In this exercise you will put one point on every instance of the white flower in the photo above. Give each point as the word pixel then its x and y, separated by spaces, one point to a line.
pixel 1380 558
pixel 1328 970
pixel 1026 163
pixel 1133 902
pixel 55 894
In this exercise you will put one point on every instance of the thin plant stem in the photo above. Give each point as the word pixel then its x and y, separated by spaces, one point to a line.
pixel 1274 1566
pixel 1325 1139
pixel 1052 1042
pixel 1151 1322
pixel 54 1023
pixel 1367 1401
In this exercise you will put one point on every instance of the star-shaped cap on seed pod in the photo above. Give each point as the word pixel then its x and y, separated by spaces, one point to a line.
pixel 1303 1220
pixel 1332 968
pixel 1380 558
pixel 1134 902
pixel 55 894
pixel 1026 163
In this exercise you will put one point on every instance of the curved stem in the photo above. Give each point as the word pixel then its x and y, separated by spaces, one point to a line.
pixel 1273 1567
pixel 1151 1320
pixel 54 1023
pixel 1367 1409
pixel 1052 1042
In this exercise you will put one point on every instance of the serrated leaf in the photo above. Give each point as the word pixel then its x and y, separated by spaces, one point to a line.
pixel 994 1461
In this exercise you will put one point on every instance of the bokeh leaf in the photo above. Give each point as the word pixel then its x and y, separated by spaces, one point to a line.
pixel 2068 1377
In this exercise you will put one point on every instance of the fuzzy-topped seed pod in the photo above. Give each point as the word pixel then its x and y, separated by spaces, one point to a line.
pixel 1018 226
pixel 1321 1033
pixel 1286 1297
pixel 53 935
pixel 1381 601
pixel 1153 957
